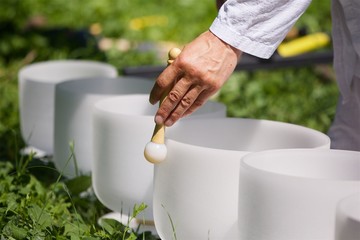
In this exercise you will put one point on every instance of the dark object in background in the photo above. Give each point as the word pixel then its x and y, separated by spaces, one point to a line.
pixel 61 37
pixel 17 43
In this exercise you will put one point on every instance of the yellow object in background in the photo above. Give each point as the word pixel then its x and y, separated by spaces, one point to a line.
pixel 140 23
pixel 303 44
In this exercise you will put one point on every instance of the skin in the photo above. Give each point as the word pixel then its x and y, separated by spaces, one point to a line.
pixel 201 69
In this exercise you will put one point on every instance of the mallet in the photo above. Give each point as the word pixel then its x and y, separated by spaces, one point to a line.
pixel 155 151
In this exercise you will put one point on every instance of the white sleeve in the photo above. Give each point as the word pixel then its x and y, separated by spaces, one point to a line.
pixel 257 27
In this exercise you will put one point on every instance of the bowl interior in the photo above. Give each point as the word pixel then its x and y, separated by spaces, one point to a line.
pixel 249 135
pixel 320 164
pixel 57 71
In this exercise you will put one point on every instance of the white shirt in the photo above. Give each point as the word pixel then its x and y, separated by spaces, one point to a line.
pixel 257 27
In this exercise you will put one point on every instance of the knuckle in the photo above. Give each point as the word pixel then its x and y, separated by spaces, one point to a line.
pixel 213 85
pixel 174 96
pixel 187 67
pixel 186 102
pixel 182 61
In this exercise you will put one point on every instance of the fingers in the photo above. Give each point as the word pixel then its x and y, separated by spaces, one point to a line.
pixel 182 105
pixel 185 98
pixel 201 100
pixel 164 83
pixel 178 100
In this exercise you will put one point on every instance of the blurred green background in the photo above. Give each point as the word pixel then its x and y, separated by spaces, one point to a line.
pixel 135 33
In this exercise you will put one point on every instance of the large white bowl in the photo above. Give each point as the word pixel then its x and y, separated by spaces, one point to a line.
pixel 122 126
pixel 293 194
pixel 37 95
pixel 196 187
pixel 74 104
pixel 347 222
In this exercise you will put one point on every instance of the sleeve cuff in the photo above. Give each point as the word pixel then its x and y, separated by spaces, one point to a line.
pixel 240 42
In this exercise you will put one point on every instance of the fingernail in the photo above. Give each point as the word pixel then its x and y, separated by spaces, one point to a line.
pixel 159 120
pixel 152 101
pixel 169 123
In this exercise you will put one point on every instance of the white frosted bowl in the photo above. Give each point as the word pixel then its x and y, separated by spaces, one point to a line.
pixel 123 125
pixel 347 221
pixel 292 194
pixel 197 185
pixel 73 116
pixel 37 95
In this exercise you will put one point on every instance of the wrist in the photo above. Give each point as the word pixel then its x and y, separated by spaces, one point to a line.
pixel 236 51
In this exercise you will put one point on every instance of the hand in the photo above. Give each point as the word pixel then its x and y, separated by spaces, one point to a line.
pixel 197 73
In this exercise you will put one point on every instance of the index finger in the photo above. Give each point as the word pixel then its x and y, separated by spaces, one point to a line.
pixel 164 83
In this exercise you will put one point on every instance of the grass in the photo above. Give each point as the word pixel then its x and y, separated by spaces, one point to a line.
pixel 300 96
pixel 30 210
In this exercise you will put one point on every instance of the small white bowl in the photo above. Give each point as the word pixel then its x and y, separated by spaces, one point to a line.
pixel 292 194
pixel 74 103
pixel 37 96
pixel 123 125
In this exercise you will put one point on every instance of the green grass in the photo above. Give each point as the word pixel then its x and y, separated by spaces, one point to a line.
pixel 60 210
pixel 301 96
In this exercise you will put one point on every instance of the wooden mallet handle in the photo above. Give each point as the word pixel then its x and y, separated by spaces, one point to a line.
pixel 159 131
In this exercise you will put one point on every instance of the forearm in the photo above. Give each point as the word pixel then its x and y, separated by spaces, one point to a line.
pixel 253 26
pixel 257 27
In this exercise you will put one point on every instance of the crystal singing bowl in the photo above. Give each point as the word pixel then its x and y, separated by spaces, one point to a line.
pixel 292 194
pixel 196 187
pixel 347 220
pixel 122 126
pixel 37 94
pixel 73 117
